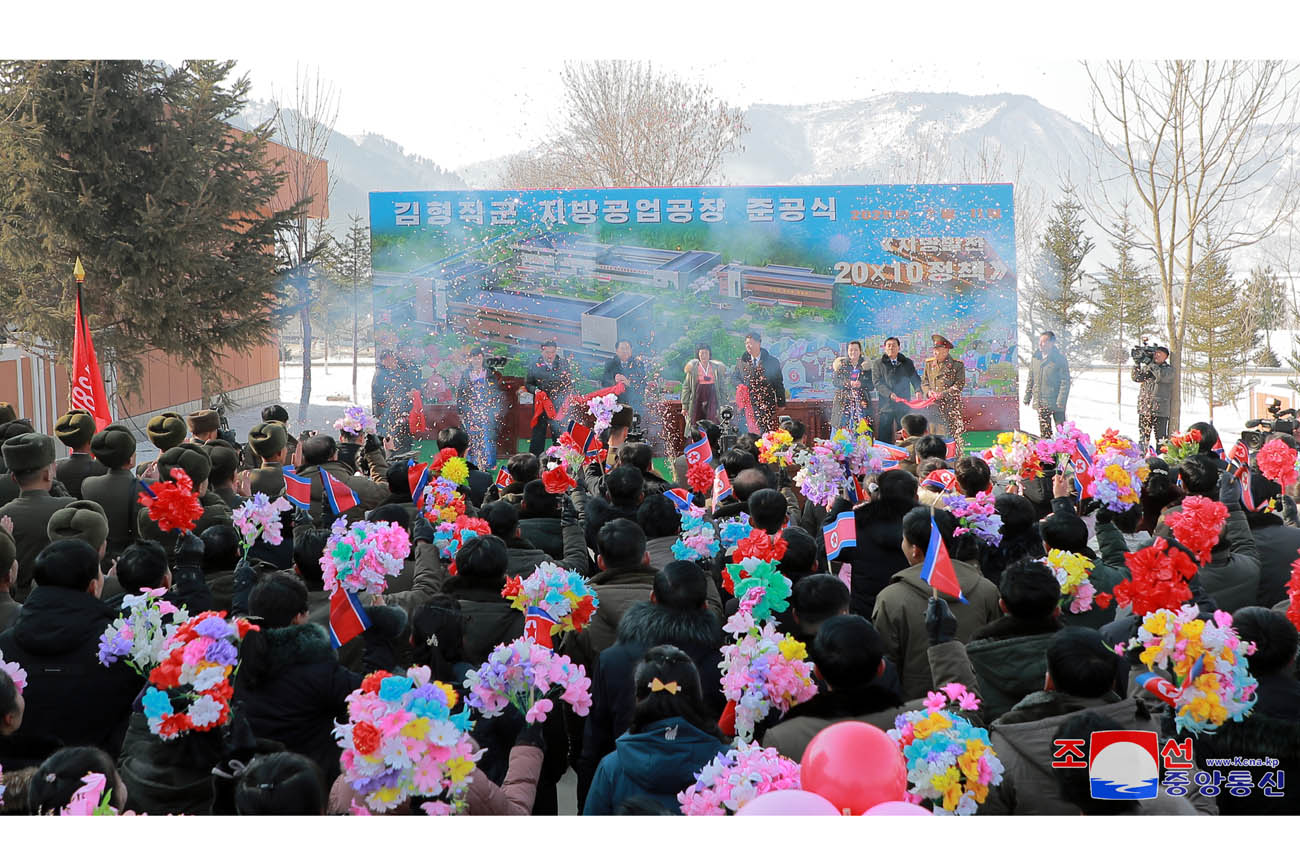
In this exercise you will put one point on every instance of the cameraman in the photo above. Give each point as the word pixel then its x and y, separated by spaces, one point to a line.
pixel 1155 397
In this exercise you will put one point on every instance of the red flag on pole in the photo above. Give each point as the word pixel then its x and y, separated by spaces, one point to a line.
pixel 87 383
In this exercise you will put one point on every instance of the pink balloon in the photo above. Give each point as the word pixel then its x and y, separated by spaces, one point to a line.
pixel 899 807
pixel 789 802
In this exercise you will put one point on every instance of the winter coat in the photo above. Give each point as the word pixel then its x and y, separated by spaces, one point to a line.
pixel 556 379
pixel 488 619
pixel 221 584
pixel 523 557
pixel 9 610
pixel 660 550
pixel 24 749
pixel 653 766
pixel 899 616
pixel 543 533
pixel 1232 577
pixel 613 696
pixel 1049 381
pixel 691 382
pixel 764 374
pixel 1276 544
pixel 478 484
pixel 369 491
pixel 304 693
pixel 117 492
pixel 1108 570
pixel 601 511
pixel 844 394
pixel 513 797
pixel 617 590
pixel 877 557
pixel 31 513
pixel 69 694
pixel 943 377
pixel 76 468
pixel 891 379
pixel 168 777
pixel 1009 656
pixel 1156 392
pixel 875 703
pixel 1023 739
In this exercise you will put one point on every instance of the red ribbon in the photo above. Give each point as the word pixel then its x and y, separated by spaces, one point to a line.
pixel 919 403
pixel 743 402
pixel 542 401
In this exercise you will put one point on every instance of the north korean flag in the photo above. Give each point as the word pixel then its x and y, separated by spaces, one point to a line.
pixel 893 452
pixel 1239 460
pixel 840 533
pixel 940 480
pixel 937 569
pixel 340 496
pixel 417 475
pixel 297 490
pixel 952 453
pixel 680 498
pixel 504 478
pixel 148 491
pixel 347 617
pixel 721 485
pixel 699 452
pixel 1081 460
pixel 588 442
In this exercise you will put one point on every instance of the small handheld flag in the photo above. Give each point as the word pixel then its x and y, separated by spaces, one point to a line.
pixel 893 452
pixel 1081 459
pixel 840 533
pixel 940 480
pixel 347 617
pixel 417 475
pixel 721 485
pixel 679 498
pixel 1158 686
pixel 952 452
pixel 698 452
pixel 937 569
pixel 504 478
pixel 588 442
pixel 148 490
pixel 340 496
pixel 297 490
pixel 1239 459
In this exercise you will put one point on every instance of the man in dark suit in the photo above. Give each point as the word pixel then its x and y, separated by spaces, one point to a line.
pixel 896 378
pixel 761 373
pixel 552 374
pixel 631 372
pixel 75 430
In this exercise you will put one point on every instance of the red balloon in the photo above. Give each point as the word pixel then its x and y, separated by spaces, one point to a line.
pixel 855 766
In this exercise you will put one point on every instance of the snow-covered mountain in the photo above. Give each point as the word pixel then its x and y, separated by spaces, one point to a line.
pixel 898 138
pixel 360 164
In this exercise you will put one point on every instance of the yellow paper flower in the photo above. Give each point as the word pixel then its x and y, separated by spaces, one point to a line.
pixel 927 726
pixel 458 769
pixel 792 649
pixel 416 728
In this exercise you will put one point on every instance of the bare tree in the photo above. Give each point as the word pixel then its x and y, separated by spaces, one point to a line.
pixel 305 124
pixel 1199 143
pixel 627 125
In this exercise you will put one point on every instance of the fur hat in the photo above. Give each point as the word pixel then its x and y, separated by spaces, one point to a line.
pixel 166 430
pixel 81 519
pixel 113 446
pixel 268 439
pixel 28 452
pixel 190 458
pixel 203 421
pixel 76 428
pixel 7 413
pixel 17 427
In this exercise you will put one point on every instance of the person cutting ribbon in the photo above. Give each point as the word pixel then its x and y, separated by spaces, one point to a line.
pixel 550 381
pixel 895 378
pixel 943 380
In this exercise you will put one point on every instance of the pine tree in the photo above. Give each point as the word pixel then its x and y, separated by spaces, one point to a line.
pixel 1220 332
pixel 1268 304
pixel 350 268
pixel 1061 301
pixel 133 167
pixel 1125 309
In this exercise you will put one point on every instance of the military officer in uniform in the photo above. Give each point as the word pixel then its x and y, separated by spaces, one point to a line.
pixel 75 430
pixel 165 431
pixel 193 461
pixel 117 491
pixel 944 378
pixel 270 442
pixel 30 458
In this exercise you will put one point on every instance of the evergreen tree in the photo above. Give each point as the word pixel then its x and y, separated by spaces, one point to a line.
pixel 1125 308
pixel 1268 304
pixel 1061 298
pixel 133 167
pixel 349 264
pixel 1220 332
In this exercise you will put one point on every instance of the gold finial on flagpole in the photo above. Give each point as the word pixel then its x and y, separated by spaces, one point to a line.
pixel 78 271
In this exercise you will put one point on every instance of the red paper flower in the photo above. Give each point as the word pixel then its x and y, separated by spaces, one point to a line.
pixel 438 462
pixel 1277 461
pixel 371 683
pixel 365 737
pixel 700 477
pixel 1158 579
pixel 174 724
pixel 514 586
pixel 583 612
pixel 558 480
pixel 1103 600
pixel 244 627
pixel 1198 525
pixel 1194 435
pixel 174 504
pixel 167 675
pixel 1293 594
pixel 759 545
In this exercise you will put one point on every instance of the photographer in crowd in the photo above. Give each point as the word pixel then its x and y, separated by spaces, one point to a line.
pixel 1152 370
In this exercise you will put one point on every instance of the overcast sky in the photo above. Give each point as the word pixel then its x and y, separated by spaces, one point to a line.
pixel 460 82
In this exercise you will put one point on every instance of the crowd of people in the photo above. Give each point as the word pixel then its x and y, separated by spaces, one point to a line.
pixel 79 547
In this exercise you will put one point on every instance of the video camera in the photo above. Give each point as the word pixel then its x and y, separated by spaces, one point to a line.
pixel 1259 429
pixel 634 431
pixel 1143 354
pixel 223 425
pixel 495 362
pixel 729 434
